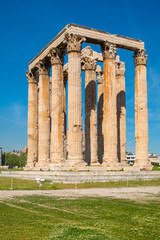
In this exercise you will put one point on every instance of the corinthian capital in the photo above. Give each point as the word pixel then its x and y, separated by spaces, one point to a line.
pixel 32 76
pixel 88 63
pixel 74 43
pixel 44 67
pixel 109 50
pixel 56 56
pixel 120 68
pixel 140 57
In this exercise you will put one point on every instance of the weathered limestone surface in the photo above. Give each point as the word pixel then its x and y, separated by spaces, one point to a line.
pixel 100 137
pixel 56 147
pixel 121 111
pixel 141 111
pixel 32 118
pixel 89 65
pixel 50 103
pixel 43 117
pixel 74 101
pixel 109 105
pixel 64 120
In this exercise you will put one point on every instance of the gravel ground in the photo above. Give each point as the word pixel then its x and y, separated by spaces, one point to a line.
pixel 133 193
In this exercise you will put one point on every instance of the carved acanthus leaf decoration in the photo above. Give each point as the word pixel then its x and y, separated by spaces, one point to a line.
pixel 88 63
pixel 44 67
pixel 140 57
pixel 32 76
pixel 109 50
pixel 74 43
pixel 56 56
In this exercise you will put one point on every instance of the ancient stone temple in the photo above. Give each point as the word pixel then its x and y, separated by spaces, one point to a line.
pixel 53 142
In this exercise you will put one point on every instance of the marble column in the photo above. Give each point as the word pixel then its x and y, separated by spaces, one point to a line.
pixel 100 138
pixel 89 66
pixel 44 115
pixel 141 111
pixel 110 159
pixel 74 135
pixel 64 118
pixel 50 104
pixel 56 146
pixel 32 118
pixel 121 111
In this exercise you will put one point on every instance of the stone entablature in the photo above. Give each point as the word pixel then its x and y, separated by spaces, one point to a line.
pixel 92 36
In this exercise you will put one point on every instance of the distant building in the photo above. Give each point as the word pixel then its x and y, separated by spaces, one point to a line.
pixel 130 158
pixel 153 158
pixel 152 155
pixel 24 150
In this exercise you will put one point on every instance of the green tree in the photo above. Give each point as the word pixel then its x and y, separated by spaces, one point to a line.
pixel 15 160
pixel 11 159
pixel 3 158
pixel 23 159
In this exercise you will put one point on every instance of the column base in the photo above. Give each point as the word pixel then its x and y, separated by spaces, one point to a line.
pixel 124 162
pixel 130 168
pixel 56 163
pixel 55 166
pixel 76 163
pixel 28 168
pixel 143 165
pixel 110 166
pixel 42 167
pixel 95 164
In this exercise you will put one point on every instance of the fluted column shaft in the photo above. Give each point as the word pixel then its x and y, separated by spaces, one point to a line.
pixel 100 138
pixel 90 111
pixel 141 111
pixel 57 123
pixel 64 119
pixel 74 101
pixel 32 118
pixel 121 112
pixel 109 110
pixel 43 118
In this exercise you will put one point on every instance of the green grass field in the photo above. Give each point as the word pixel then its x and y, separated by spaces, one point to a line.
pixel 22 184
pixel 41 217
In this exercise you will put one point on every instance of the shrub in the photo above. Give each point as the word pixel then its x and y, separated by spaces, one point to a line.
pixel 155 164
pixel 15 160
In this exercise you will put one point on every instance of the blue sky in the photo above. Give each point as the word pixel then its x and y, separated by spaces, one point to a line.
pixel 27 26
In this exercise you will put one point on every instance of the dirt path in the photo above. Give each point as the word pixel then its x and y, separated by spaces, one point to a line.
pixel 133 193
